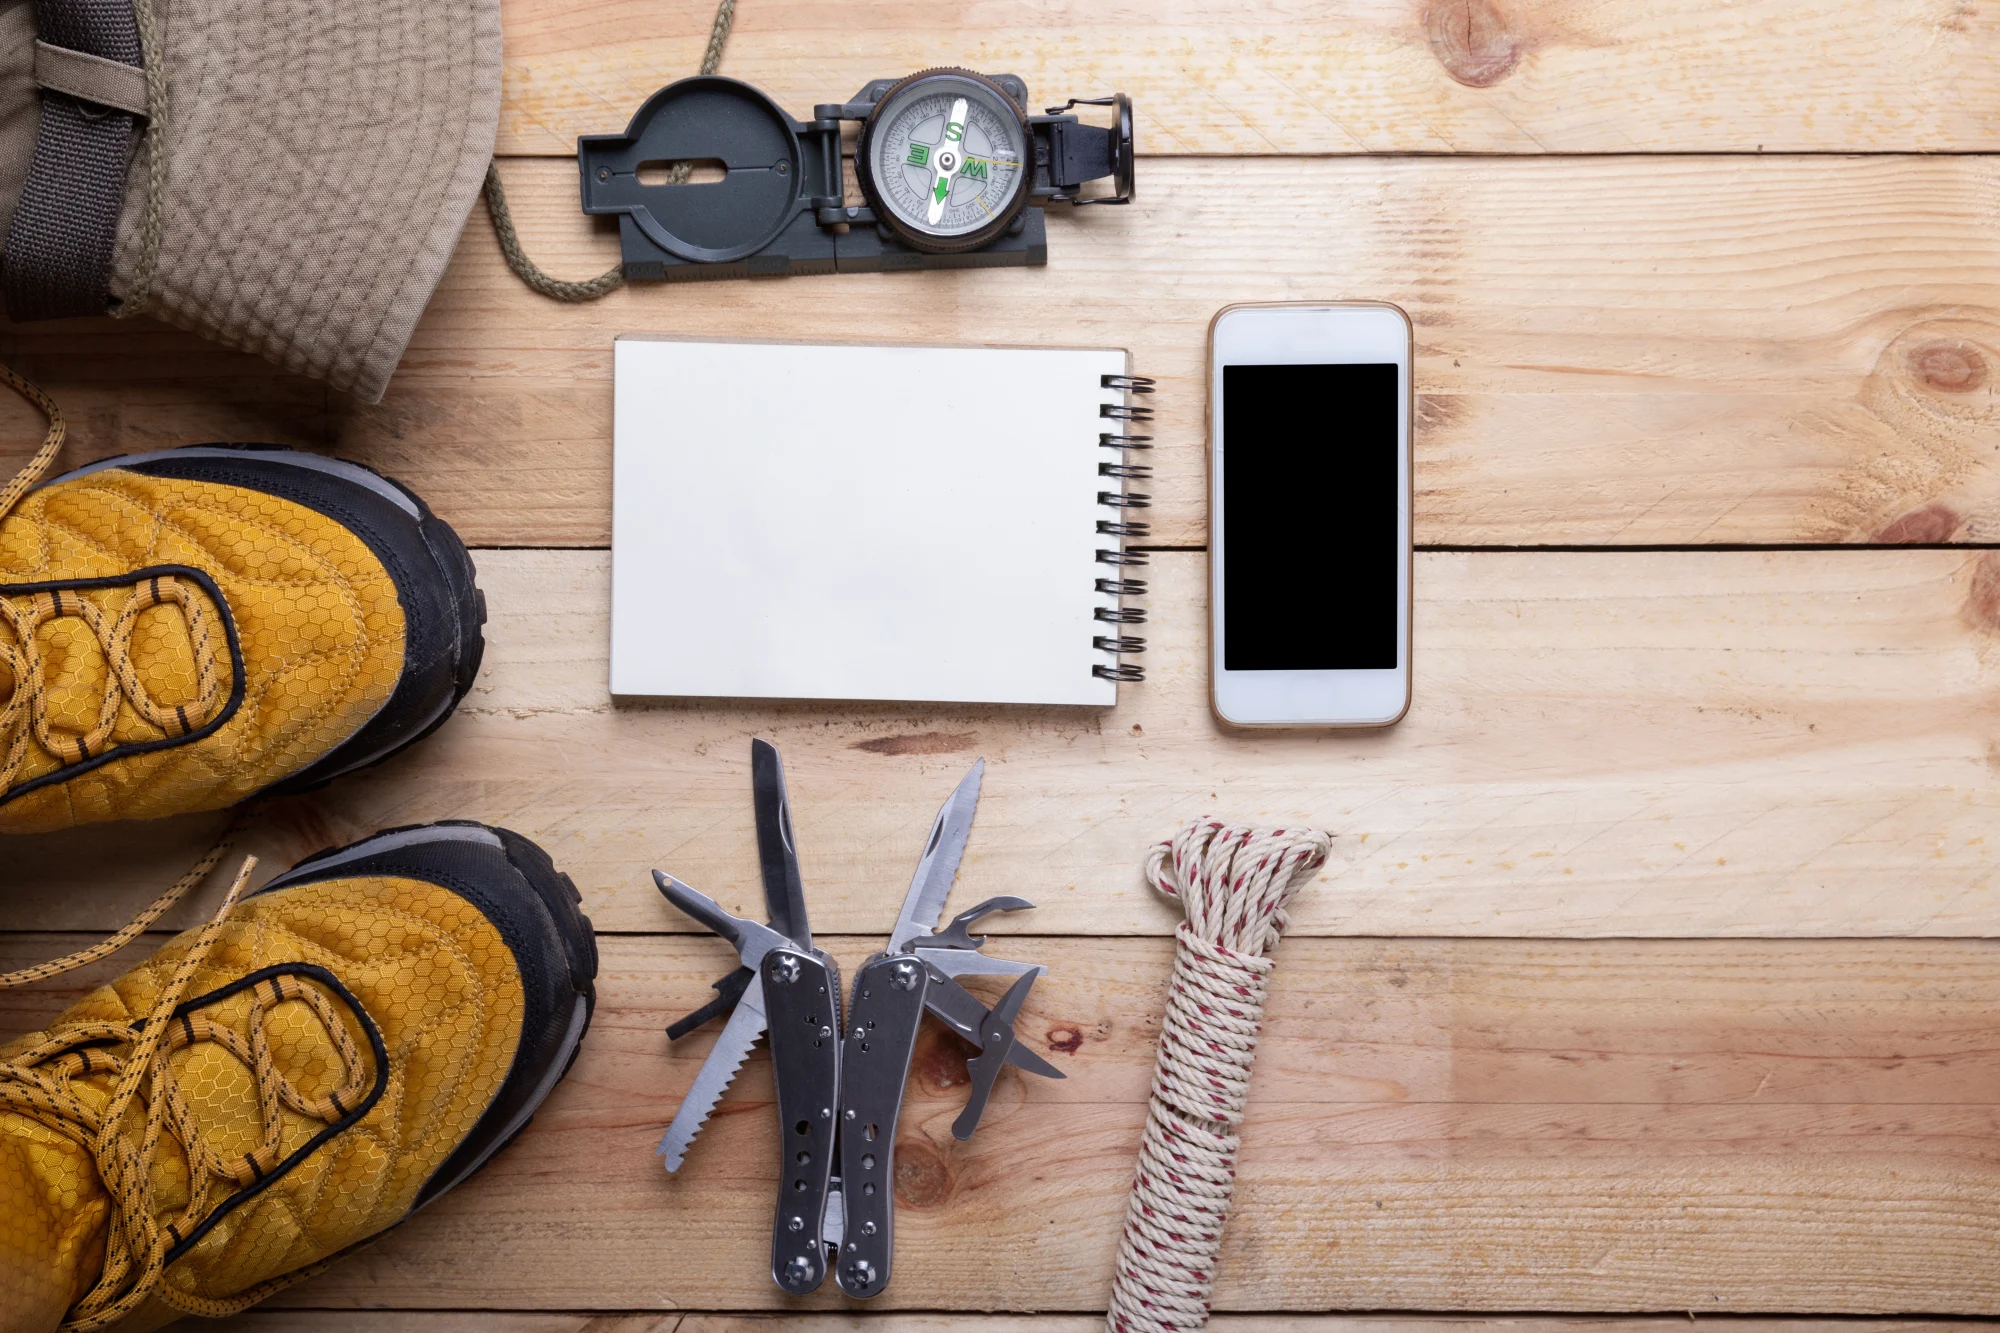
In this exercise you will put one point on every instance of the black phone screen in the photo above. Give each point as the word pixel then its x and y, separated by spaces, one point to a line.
pixel 1309 509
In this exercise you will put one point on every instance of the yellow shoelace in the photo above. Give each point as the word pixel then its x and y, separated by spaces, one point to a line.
pixel 22 661
pixel 37 1084
pixel 25 713
pixel 26 710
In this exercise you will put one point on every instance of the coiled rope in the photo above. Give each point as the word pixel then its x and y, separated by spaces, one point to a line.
pixel 1234 883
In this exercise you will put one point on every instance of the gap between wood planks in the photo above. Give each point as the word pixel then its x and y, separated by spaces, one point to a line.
pixel 1423 548
pixel 1728 1124
pixel 1512 76
pixel 1606 744
pixel 583 1319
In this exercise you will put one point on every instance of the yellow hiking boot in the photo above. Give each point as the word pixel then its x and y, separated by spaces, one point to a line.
pixel 185 629
pixel 327 1056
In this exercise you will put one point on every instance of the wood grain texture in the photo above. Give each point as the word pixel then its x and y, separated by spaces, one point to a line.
pixel 1637 349
pixel 1650 743
pixel 1610 351
pixel 1434 1124
pixel 1294 77
pixel 899 1321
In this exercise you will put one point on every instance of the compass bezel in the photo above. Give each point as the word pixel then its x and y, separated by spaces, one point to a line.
pixel 910 233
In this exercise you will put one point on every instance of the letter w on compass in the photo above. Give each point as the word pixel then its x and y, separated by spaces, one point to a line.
pixel 840 1083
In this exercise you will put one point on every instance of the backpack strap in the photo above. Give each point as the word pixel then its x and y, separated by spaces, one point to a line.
pixel 57 260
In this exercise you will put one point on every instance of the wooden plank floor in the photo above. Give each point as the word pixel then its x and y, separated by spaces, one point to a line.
pixel 487 1321
pixel 1634 350
pixel 1654 970
pixel 1461 1124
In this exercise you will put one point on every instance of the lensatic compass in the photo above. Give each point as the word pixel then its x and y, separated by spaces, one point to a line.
pixel 953 169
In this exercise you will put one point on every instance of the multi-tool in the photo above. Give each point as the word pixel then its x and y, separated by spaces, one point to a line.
pixel 840 1079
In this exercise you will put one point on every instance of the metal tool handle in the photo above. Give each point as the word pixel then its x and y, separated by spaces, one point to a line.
pixel 802 1001
pixel 875 1066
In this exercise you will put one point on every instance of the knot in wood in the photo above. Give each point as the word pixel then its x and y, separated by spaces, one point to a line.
pixel 1472 40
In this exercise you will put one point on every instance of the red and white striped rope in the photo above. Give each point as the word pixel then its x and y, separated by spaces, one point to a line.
pixel 1234 883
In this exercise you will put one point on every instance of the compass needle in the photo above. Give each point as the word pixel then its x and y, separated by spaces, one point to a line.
pixel 948 161
pixel 943 158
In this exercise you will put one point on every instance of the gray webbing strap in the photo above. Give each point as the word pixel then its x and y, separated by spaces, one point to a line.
pixel 57 260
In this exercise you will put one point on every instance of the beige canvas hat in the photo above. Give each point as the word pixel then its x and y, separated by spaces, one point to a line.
pixel 288 177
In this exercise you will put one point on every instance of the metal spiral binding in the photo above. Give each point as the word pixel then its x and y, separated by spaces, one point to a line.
pixel 1122 525
pixel 1110 441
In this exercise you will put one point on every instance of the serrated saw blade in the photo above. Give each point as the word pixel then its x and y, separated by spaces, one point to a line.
pixel 931 885
pixel 732 1048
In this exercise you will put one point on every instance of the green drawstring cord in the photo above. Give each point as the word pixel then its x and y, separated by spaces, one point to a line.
pixel 612 279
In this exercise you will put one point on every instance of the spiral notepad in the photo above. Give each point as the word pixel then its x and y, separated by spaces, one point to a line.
pixel 813 521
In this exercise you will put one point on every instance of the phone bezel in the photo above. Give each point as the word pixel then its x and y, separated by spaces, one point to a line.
pixel 1293 333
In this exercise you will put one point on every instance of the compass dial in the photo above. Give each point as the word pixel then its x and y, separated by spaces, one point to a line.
pixel 944 160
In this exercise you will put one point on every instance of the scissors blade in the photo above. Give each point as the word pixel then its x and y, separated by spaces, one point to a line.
pixel 923 905
pixel 732 1048
pixel 1001 1042
pixel 958 1009
pixel 1022 1058
pixel 784 890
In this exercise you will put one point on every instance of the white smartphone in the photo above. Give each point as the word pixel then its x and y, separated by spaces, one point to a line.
pixel 1309 484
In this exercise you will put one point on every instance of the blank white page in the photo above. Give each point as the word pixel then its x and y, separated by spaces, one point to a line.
pixel 853 522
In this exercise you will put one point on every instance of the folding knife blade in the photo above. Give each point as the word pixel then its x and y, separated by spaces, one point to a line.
pixel 802 994
pixel 732 1048
pixel 875 1067
pixel 777 855
pixel 931 885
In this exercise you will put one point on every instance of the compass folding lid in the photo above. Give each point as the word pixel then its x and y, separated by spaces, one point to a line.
pixel 706 117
